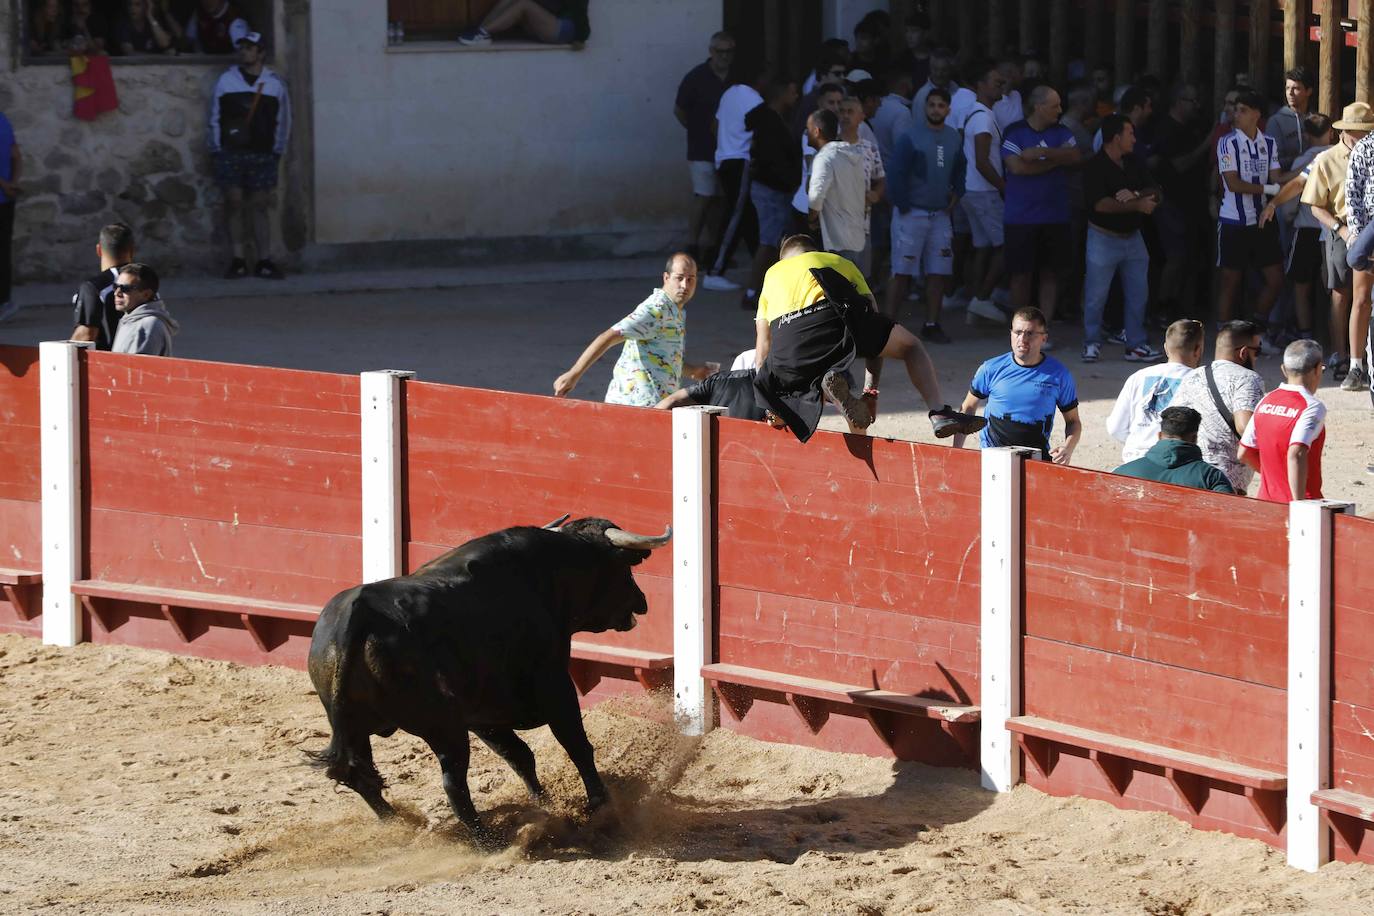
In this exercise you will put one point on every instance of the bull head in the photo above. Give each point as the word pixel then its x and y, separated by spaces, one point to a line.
pixel 632 541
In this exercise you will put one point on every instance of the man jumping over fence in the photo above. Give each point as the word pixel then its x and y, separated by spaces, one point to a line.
pixel 815 316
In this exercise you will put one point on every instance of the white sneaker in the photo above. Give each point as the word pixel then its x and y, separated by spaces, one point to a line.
pixel 958 300
pixel 475 38
pixel 719 283
pixel 8 310
pixel 984 308
pixel 1092 352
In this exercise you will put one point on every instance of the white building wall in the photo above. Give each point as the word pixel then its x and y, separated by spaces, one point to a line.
pixel 430 141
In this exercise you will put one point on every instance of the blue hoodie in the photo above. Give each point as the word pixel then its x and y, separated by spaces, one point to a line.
pixel 927 163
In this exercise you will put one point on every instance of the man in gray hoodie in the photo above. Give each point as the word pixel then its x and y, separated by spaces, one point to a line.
pixel 145 326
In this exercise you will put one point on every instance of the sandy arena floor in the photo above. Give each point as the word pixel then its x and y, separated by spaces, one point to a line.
pixel 136 782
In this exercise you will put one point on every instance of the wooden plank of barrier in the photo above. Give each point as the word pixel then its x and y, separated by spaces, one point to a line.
pixel 244 444
pixel 848 694
pixel 1125 566
pixel 1352 640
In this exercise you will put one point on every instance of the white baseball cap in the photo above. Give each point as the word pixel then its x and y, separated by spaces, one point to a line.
pixel 239 31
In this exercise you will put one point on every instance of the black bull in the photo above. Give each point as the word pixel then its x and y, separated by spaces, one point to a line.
pixel 477 641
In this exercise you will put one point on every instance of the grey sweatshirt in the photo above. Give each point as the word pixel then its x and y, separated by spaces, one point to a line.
pixel 147 329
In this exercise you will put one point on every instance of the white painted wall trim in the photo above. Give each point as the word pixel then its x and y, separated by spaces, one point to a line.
pixel 59 410
pixel 693 588
pixel 1000 627
pixel 381 408
pixel 1310 536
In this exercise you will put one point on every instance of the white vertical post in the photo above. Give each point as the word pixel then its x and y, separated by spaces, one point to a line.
pixel 381 477
pixel 59 410
pixel 1310 535
pixel 693 537
pixel 1000 631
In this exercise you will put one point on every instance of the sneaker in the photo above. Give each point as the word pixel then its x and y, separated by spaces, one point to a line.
pixel 1356 379
pixel 836 386
pixel 1338 366
pixel 266 270
pixel 1117 337
pixel 984 308
pixel 1092 352
pixel 933 333
pixel 475 38
pixel 719 283
pixel 1144 354
pixel 948 422
pixel 237 268
pixel 8 310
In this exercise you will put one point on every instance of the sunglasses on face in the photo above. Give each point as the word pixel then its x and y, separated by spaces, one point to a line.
pixel 127 288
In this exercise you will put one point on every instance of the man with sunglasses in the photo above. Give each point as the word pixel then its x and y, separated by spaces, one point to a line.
pixel 698 96
pixel 145 325
pixel 1226 392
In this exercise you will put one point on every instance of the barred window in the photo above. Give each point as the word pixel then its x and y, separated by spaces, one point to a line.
pixel 137 31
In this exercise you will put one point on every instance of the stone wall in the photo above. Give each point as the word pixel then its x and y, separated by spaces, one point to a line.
pixel 144 164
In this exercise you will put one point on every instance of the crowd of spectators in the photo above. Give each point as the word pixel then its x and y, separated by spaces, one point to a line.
pixel 130 27
pixel 1130 209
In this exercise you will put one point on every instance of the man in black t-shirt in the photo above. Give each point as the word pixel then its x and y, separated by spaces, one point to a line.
pixel 95 316
pixel 733 390
pixel 1180 165
pixel 1119 195
pixel 698 96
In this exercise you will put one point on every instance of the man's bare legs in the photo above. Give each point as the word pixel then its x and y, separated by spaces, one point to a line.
pixel 904 346
pixel 1340 321
pixel 1230 286
pixel 1362 284
pixel 1019 286
pixel 538 21
pixel 702 217
pixel 233 215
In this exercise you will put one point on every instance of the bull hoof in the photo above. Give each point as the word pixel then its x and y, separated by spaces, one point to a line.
pixel 485 839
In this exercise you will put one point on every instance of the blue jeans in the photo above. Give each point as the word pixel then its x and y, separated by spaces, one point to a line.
pixel 1106 256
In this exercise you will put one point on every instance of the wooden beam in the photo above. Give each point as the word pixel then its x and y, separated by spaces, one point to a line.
pixel 968 31
pixel 1261 18
pixel 1059 40
pixel 1329 65
pixel 1364 58
pixel 1189 38
pixel 772 34
pixel 1223 51
pixel 1294 34
pixel 1092 36
pixel 1027 35
pixel 1124 26
pixel 1158 54
pixel 941 23
pixel 997 28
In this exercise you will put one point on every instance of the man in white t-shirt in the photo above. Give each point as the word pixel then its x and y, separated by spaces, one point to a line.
pixel 1010 108
pixel 732 168
pixel 839 187
pixel 1134 420
pixel 1249 165
pixel 984 186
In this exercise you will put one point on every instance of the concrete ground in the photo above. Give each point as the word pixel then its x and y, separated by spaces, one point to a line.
pixel 516 329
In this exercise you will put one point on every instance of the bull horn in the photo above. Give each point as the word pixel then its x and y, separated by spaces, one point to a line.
pixel 557 523
pixel 634 541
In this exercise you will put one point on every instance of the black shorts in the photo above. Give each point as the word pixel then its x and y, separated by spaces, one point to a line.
pixel 1304 263
pixel 1026 247
pixel 1246 247
pixel 1337 269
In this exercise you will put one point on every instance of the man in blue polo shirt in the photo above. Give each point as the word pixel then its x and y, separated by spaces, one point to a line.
pixel 1023 389
pixel 1038 153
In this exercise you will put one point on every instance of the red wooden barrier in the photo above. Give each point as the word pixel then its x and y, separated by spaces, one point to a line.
pixel 477 461
pixel 854 561
pixel 233 482
pixel 20 512
pixel 1352 679
pixel 1156 614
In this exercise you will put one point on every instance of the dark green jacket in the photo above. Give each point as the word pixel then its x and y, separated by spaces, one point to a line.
pixel 1177 462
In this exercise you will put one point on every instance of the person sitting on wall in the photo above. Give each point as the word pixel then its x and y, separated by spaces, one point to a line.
pixel 565 24
pixel 732 389
pixel 1175 458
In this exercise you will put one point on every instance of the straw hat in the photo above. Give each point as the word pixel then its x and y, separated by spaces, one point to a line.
pixel 1356 116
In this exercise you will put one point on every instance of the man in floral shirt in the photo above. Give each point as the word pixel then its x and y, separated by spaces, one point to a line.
pixel 654 334
pixel 1359 201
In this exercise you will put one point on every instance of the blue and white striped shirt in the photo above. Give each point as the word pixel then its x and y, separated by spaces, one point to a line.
pixel 1252 161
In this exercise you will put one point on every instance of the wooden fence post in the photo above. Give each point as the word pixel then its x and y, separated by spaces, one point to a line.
pixel 1329 64
pixel 1000 630
pixel 381 410
pixel 1294 34
pixel 1223 51
pixel 1157 57
pixel 60 412
pixel 1310 535
pixel 1364 54
pixel 694 538
pixel 1189 38
pixel 1124 43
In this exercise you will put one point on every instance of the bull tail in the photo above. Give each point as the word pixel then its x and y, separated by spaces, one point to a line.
pixel 339 637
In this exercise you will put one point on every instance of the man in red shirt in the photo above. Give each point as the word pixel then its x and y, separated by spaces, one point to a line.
pixel 1284 438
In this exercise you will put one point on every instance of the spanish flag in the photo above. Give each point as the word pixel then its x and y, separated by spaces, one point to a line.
pixel 94 86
